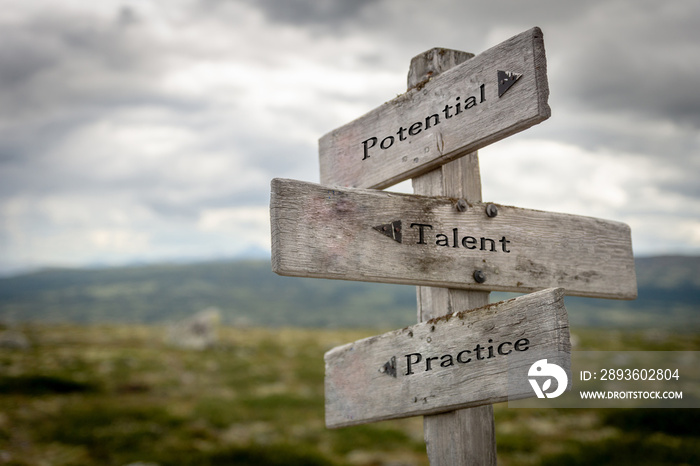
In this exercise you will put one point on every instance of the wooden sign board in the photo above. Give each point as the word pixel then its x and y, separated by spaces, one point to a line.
pixel 456 361
pixel 493 95
pixel 377 236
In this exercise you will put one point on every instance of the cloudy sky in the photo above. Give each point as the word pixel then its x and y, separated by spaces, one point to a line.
pixel 140 131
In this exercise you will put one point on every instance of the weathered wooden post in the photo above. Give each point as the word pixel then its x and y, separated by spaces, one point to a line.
pixel 466 436
pixel 454 364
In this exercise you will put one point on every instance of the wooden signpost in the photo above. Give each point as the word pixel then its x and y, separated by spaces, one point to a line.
pixel 456 361
pixel 376 236
pixel 451 367
pixel 495 94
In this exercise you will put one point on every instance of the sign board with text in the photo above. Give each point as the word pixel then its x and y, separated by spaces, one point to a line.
pixel 344 228
pixel 377 236
pixel 500 92
pixel 452 362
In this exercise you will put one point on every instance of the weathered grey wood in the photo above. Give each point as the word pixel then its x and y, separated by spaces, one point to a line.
pixel 433 62
pixel 435 302
pixel 458 179
pixel 330 233
pixel 461 437
pixel 455 361
pixel 465 436
pixel 489 118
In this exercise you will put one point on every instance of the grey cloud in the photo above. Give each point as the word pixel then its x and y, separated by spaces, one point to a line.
pixel 190 208
pixel 29 162
pixel 620 84
pixel 688 188
pixel 612 56
pixel 60 73
pixel 269 160
pixel 21 58
pixel 169 190
pixel 645 64
pixel 325 13
pixel 53 61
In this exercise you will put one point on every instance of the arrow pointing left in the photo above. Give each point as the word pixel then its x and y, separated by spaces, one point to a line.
pixel 392 230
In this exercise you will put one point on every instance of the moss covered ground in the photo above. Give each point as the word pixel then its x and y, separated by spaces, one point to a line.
pixel 119 394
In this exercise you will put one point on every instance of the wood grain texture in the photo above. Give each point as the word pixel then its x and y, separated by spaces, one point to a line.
pixel 326 232
pixel 488 119
pixel 432 63
pixel 457 179
pixel 461 437
pixel 465 436
pixel 383 378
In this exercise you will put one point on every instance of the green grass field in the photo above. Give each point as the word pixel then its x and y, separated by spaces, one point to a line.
pixel 115 395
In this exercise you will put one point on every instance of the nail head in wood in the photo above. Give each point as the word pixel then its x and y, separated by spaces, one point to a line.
pixel 462 205
pixel 491 210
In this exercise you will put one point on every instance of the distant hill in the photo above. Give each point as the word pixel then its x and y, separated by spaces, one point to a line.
pixel 668 296
pixel 248 293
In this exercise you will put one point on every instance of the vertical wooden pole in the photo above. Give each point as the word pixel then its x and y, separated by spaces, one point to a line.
pixel 467 436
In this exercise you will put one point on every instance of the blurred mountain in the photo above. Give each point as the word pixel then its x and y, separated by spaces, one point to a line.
pixel 246 292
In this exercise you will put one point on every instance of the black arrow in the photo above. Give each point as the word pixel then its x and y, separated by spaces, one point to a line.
pixel 505 80
pixel 392 230
pixel 389 368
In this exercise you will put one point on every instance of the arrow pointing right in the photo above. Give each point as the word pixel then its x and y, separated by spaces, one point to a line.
pixel 505 80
